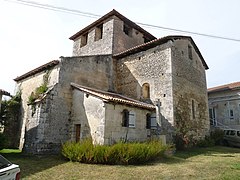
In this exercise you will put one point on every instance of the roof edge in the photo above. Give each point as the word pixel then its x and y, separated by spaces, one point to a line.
pixel 157 42
pixel 224 87
pixel 37 70
pixel 104 17
pixel 113 97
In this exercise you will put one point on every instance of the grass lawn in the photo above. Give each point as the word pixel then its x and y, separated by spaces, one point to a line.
pixel 202 163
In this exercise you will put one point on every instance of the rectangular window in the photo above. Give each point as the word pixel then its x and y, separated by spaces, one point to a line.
pixel 212 116
pixel 84 39
pixel 78 130
pixel 148 121
pixel 132 118
pixel 127 30
pixel 193 109
pixel 153 121
pixel 125 120
pixel 99 32
pixel 129 118
pixel 190 52
pixel 231 114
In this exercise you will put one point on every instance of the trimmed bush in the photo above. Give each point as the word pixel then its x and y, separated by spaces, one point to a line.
pixel 120 153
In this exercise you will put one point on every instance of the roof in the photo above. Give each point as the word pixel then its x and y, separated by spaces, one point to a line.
pixel 4 93
pixel 120 16
pixel 113 97
pixel 225 87
pixel 37 70
pixel 157 42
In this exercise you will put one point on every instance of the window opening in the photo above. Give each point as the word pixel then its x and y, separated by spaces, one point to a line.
pixel 99 32
pixel 193 109
pixel 190 52
pixel 127 30
pixel 146 91
pixel 231 114
pixel 84 39
pixel 132 118
pixel 212 116
pixel 78 130
pixel 129 118
pixel 125 121
pixel 148 121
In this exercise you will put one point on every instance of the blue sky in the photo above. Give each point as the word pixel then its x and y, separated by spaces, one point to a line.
pixel 30 37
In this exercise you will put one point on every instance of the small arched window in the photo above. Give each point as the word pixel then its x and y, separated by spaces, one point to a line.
pixel 146 91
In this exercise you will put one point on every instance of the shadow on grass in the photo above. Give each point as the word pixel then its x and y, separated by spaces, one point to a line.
pixel 31 164
pixel 182 156
pixel 222 151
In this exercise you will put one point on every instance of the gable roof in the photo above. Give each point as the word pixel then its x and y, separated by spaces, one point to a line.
pixel 113 97
pixel 157 42
pixel 108 15
pixel 225 87
pixel 37 70
pixel 4 93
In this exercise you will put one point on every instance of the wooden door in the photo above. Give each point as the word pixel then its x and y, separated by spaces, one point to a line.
pixel 78 130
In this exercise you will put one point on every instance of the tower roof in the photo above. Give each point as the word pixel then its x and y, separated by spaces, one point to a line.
pixel 130 23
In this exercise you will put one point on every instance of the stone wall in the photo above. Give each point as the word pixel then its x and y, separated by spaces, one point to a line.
pixel 189 90
pixel 113 40
pixel 47 124
pixel 114 131
pixel 27 86
pixel 92 71
pixel 103 121
pixel 122 41
pixel 152 66
pixel 101 46
pixel 89 113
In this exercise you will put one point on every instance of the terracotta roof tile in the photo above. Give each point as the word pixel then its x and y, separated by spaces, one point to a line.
pixel 156 42
pixel 231 86
pixel 108 15
pixel 4 93
pixel 37 70
pixel 113 97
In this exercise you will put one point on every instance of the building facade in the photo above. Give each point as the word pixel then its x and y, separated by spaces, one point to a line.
pixel 224 106
pixel 120 84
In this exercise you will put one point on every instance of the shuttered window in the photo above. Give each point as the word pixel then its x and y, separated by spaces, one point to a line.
pixel 129 118
pixel 132 118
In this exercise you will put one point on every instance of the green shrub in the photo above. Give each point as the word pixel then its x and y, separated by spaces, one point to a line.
pixel 206 142
pixel 217 136
pixel 37 93
pixel 119 153
pixel 3 141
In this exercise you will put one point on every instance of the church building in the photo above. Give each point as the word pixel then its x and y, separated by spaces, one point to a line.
pixel 121 83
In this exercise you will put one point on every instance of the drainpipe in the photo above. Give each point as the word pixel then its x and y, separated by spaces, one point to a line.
pixel 158 113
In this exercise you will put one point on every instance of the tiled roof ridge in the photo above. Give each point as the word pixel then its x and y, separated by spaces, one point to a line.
pixel 223 87
pixel 38 69
pixel 159 41
pixel 3 92
pixel 104 17
pixel 109 96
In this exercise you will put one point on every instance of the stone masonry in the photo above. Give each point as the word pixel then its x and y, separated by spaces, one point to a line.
pixel 113 54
